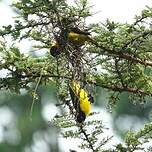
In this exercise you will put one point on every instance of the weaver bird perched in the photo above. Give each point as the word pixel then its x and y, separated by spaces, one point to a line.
pixel 55 50
pixel 81 101
pixel 75 36
pixel 79 37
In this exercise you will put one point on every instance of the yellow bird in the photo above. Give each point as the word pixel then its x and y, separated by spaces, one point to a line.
pixel 75 36
pixel 79 37
pixel 81 101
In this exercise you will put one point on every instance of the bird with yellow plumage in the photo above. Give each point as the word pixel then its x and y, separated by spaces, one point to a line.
pixel 75 36
pixel 78 36
pixel 81 101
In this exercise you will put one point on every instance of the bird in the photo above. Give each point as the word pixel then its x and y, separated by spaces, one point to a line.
pixel 74 36
pixel 55 49
pixel 81 101
pixel 78 36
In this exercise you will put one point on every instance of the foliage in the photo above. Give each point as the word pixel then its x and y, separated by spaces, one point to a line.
pixel 118 59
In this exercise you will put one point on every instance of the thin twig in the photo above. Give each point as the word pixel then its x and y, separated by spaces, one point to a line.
pixel 87 138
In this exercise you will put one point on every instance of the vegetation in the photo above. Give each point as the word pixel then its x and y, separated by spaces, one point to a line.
pixel 117 58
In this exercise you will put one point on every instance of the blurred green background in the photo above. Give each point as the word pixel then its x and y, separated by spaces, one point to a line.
pixel 21 132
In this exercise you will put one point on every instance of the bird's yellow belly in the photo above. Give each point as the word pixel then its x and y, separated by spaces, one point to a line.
pixel 85 106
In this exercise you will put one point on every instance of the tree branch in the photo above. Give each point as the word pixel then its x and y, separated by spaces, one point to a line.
pixel 120 53
pixel 87 138
pixel 121 89
pixel 110 87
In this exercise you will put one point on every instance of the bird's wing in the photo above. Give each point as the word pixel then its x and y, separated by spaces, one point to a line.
pixel 78 31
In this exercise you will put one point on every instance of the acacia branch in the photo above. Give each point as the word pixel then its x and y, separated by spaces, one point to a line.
pixel 29 25
pixel 117 88
pixel 119 72
pixel 121 89
pixel 87 138
pixel 142 35
pixel 120 53
pixel 127 56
